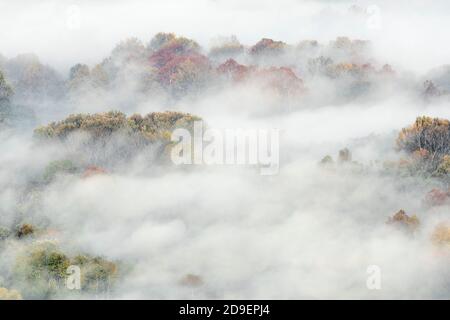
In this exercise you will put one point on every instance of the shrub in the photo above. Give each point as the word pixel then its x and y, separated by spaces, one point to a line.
pixel 24 230
pixel 191 280
pixel 42 261
pixel 97 273
pixel 42 270
pixel 327 160
pixel 405 222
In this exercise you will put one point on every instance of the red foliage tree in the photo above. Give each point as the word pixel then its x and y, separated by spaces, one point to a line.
pixel 179 65
pixel 437 197
pixel 234 70
pixel 281 80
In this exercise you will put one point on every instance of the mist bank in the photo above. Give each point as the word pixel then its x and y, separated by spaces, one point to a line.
pixel 358 208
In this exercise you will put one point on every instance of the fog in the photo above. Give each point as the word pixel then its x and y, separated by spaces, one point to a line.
pixel 409 34
pixel 311 231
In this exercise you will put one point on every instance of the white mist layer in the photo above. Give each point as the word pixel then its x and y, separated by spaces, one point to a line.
pixel 409 34
pixel 307 232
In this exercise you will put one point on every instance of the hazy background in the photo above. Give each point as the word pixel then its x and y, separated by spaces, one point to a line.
pixel 411 34
pixel 304 233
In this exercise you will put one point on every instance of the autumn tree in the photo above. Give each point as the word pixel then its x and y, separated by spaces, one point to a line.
pixel 131 50
pixel 79 76
pixel 404 222
pixel 105 139
pixel 428 143
pixel 226 47
pixel 267 47
pixel 180 67
pixel 33 80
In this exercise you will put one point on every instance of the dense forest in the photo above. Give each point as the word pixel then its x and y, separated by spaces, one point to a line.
pixel 86 177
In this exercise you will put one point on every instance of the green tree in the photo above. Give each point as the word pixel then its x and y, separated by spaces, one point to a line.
pixel 6 90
